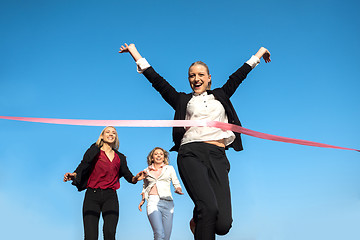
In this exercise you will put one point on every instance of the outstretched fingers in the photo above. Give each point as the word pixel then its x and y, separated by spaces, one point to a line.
pixel 124 48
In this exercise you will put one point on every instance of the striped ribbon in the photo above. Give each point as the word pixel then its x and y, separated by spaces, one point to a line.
pixel 174 123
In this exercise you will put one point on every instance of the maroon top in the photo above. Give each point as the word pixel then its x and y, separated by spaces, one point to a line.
pixel 106 173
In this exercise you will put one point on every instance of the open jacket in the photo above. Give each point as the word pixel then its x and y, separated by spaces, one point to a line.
pixel 162 182
pixel 87 164
pixel 179 100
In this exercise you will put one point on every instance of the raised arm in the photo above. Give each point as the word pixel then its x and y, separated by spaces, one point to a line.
pixel 132 50
pixel 169 93
pixel 237 77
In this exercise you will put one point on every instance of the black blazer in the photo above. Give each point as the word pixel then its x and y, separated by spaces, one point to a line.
pixel 86 167
pixel 179 100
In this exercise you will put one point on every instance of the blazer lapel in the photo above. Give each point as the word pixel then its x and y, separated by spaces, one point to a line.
pixel 163 171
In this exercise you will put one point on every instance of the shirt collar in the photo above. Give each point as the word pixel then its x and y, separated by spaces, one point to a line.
pixel 201 94
pixel 152 167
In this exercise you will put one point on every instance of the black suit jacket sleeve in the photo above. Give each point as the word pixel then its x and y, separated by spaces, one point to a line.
pixel 124 170
pixel 236 79
pixel 85 167
pixel 179 100
pixel 167 91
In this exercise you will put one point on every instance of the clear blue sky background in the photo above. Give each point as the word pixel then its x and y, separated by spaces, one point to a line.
pixel 59 59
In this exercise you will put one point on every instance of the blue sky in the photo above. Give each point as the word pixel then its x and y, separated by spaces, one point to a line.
pixel 59 59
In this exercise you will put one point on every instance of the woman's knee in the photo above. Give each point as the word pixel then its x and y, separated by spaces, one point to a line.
pixel 223 226
pixel 109 234
pixel 109 228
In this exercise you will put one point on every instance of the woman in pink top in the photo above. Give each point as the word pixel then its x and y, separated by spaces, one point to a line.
pixel 156 190
pixel 99 172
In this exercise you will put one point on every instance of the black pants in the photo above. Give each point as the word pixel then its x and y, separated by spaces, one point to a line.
pixel 204 171
pixel 95 202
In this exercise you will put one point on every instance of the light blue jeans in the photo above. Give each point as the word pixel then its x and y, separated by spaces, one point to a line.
pixel 160 213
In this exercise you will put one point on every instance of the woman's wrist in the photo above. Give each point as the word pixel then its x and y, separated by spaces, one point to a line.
pixel 135 179
pixel 134 52
pixel 261 52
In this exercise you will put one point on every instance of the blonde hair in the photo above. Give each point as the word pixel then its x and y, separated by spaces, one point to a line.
pixel 150 156
pixel 100 141
pixel 202 64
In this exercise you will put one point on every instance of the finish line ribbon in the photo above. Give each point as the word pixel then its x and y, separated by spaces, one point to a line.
pixel 174 123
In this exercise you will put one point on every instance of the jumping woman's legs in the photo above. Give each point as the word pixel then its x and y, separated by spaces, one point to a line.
pixel 95 202
pixel 110 213
pixel 155 217
pixel 204 170
pixel 91 214
pixel 167 211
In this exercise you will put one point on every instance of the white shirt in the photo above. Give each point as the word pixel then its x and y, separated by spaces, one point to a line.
pixel 204 107
pixel 167 175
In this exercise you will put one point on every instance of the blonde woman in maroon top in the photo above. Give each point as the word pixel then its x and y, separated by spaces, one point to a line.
pixel 99 172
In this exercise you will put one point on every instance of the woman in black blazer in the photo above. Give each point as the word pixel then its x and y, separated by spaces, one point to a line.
pixel 202 162
pixel 99 173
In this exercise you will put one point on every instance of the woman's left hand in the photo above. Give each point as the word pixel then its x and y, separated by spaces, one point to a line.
pixel 263 53
pixel 126 48
pixel 141 175
pixel 179 191
pixel 266 56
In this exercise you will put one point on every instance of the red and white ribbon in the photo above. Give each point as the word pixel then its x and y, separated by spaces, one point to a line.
pixel 174 123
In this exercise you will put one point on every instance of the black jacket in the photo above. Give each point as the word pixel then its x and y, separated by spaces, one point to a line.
pixel 179 100
pixel 86 166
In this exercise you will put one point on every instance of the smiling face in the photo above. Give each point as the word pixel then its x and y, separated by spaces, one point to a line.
pixel 109 135
pixel 199 78
pixel 158 156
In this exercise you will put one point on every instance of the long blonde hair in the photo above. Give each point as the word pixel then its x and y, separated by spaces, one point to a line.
pixel 150 156
pixel 100 141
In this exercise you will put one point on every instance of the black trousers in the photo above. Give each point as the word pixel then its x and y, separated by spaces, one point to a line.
pixel 98 201
pixel 204 171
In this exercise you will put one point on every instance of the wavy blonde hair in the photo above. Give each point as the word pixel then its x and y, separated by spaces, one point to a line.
pixel 150 156
pixel 100 141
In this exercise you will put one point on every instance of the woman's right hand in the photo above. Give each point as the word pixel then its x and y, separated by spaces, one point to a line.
pixel 132 50
pixel 142 201
pixel 140 204
pixel 69 176
pixel 140 176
